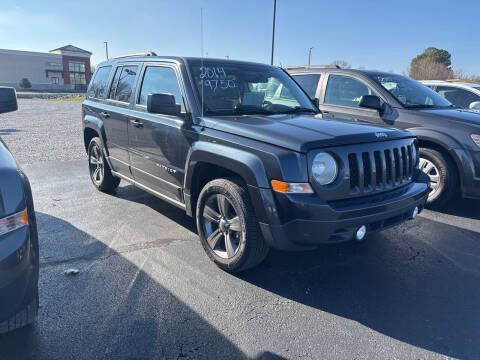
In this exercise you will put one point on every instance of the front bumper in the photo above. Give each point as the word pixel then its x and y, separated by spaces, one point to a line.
pixel 18 272
pixel 311 221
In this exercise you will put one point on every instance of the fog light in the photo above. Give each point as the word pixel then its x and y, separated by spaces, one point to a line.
pixel 361 232
pixel 414 213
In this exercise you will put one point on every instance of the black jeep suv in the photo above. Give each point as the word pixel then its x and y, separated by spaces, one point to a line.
pixel 243 149
pixel 449 138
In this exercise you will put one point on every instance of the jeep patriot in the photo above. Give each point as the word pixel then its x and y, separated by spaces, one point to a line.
pixel 242 149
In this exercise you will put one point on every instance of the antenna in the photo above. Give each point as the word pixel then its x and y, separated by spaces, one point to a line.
pixel 201 50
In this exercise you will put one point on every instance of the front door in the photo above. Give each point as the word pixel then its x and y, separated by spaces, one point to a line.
pixel 342 98
pixel 158 143
pixel 115 117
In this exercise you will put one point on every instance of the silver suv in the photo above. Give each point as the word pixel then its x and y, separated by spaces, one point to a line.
pixel 464 95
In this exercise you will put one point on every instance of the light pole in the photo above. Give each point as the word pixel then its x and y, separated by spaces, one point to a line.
pixel 309 55
pixel 106 49
pixel 273 30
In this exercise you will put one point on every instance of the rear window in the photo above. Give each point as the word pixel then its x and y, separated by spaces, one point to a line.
pixel 123 83
pixel 309 83
pixel 99 83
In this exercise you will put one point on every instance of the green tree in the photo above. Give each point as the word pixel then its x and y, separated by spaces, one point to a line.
pixel 24 83
pixel 433 54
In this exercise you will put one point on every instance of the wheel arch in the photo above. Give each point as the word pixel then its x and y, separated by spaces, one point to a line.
pixel 211 161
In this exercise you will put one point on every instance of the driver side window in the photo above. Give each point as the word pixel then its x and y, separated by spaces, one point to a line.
pixel 345 91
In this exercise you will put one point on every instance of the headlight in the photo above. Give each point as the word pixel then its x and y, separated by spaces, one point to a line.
pixel 476 139
pixel 324 168
pixel 13 222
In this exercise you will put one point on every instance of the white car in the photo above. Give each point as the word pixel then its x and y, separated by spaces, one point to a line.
pixel 464 95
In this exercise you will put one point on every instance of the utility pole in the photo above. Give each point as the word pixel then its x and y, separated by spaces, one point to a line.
pixel 228 57
pixel 106 48
pixel 309 55
pixel 273 30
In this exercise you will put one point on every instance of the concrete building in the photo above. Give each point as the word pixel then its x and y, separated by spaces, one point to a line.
pixel 63 69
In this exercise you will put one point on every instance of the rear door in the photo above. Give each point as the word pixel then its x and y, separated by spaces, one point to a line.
pixel 115 115
pixel 341 99
pixel 159 143
pixel 310 84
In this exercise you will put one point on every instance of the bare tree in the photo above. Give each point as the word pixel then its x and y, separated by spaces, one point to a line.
pixel 426 69
pixel 342 63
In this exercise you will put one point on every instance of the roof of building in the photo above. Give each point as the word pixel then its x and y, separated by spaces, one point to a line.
pixel 71 48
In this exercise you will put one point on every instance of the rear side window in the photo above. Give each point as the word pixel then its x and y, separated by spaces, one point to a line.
pixel 458 97
pixel 309 83
pixel 158 79
pixel 123 83
pixel 99 83
pixel 346 91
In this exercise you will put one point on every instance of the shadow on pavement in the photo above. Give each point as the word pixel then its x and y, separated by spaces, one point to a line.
pixel 417 283
pixel 4 132
pixel 111 310
pixel 467 208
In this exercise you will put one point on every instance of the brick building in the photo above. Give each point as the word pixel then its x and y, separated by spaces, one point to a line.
pixel 64 69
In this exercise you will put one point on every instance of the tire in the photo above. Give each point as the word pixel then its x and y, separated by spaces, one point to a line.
pixel 443 177
pixel 227 226
pixel 100 172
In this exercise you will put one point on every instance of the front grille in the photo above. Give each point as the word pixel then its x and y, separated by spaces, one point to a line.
pixel 379 170
pixel 369 169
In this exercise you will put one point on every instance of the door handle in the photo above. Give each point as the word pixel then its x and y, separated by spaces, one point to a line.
pixel 136 123
pixel 105 114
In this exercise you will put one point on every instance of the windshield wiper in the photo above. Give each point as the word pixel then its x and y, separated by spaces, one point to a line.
pixel 420 106
pixel 251 110
pixel 298 109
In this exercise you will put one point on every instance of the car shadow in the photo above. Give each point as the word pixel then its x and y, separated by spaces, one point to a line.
pixel 405 284
pixel 467 208
pixel 417 283
pixel 112 309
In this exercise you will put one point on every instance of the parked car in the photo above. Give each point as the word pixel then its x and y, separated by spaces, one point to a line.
pixel 19 257
pixel 449 138
pixel 464 95
pixel 256 167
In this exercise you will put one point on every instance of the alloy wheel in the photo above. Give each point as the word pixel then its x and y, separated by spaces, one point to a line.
pixel 433 173
pixel 96 164
pixel 222 226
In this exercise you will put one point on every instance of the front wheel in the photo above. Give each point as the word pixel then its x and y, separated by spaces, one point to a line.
pixel 100 172
pixel 442 174
pixel 227 227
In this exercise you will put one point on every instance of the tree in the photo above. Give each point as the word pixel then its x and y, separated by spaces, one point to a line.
pixel 427 69
pixel 436 55
pixel 24 83
pixel 342 63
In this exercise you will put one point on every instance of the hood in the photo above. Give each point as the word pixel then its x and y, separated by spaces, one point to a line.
pixel 11 188
pixel 302 133
pixel 464 116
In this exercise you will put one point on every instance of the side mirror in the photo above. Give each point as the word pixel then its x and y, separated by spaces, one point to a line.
pixel 316 102
pixel 370 102
pixel 163 104
pixel 475 105
pixel 8 99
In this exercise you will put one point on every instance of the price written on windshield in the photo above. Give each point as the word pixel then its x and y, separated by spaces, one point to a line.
pixel 215 77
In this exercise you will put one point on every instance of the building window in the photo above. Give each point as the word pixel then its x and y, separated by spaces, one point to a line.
pixel 77 75
pixel 55 80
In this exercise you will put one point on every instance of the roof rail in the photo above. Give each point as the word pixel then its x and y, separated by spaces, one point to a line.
pixel 147 53
pixel 308 67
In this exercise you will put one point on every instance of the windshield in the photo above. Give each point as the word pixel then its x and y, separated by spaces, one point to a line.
pixel 230 88
pixel 410 93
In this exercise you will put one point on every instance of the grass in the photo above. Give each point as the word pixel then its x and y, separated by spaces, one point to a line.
pixel 76 98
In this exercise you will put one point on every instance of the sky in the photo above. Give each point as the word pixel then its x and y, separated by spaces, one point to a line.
pixel 374 34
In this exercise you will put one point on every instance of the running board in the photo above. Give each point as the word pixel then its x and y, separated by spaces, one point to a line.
pixel 153 192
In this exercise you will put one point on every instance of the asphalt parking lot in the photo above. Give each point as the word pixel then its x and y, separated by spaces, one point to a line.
pixel 146 290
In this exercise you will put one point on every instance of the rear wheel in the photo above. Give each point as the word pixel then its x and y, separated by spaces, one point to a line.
pixel 227 227
pixel 100 172
pixel 442 174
